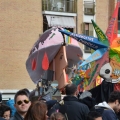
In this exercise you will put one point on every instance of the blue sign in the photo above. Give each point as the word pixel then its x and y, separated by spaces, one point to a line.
pixel 95 56
pixel 89 41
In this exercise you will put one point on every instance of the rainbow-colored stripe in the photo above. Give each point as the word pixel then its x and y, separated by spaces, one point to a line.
pixel 68 39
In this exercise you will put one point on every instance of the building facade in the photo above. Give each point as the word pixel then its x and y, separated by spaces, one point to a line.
pixel 22 21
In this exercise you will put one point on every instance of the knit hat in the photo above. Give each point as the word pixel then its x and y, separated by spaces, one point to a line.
pixel 85 94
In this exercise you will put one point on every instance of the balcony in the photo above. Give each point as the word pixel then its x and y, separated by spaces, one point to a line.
pixel 66 6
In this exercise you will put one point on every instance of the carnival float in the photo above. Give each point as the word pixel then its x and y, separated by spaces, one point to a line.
pixel 57 56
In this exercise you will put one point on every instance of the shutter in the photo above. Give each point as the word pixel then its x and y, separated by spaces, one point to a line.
pixel 90 29
pixel 83 28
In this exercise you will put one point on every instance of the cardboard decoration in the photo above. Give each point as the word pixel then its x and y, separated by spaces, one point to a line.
pixel 106 46
pixel 112 30
pixel 60 66
pixel 56 52
pixel 64 53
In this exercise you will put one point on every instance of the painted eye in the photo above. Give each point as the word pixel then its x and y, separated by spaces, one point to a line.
pixel 106 70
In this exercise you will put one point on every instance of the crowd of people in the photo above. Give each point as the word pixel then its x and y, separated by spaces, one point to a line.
pixel 74 106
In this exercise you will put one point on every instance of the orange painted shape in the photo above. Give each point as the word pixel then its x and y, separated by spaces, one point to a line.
pixel 45 62
pixel 115 42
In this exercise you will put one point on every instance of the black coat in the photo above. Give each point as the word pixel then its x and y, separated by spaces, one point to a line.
pixel 90 102
pixel 16 116
pixel 72 108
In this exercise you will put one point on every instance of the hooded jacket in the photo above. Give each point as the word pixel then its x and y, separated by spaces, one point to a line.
pixel 90 102
pixel 107 112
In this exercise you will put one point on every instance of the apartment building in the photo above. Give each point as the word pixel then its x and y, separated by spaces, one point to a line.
pixel 76 16
pixel 22 21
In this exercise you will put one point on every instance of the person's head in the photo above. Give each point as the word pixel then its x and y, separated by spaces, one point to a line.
pixel 114 101
pixel 5 112
pixel 22 102
pixel 71 89
pixel 85 94
pixel 26 90
pixel 93 115
pixel 57 116
pixel 42 100
pixel 37 111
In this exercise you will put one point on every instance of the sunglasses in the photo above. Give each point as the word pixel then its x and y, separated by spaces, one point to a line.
pixel 20 102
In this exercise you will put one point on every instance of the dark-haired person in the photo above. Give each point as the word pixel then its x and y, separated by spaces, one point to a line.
pixel 109 110
pixel 1 104
pixel 37 111
pixel 86 98
pixel 57 116
pixel 93 115
pixel 22 104
pixel 5 112
pixel 70 106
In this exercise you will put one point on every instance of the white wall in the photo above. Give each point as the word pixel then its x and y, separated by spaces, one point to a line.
pixel 87 19
pixel 8 94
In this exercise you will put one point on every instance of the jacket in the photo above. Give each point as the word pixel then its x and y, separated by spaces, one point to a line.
pixel 74 109
pixel 2 118
pixel 17 116
pixel 90 102
pixel 108 113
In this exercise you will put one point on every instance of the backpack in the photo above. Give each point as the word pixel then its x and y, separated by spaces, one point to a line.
pixel 58 107
pixel 62 109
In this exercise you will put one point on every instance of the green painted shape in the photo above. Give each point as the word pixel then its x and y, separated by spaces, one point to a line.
pixel 118 31
pixel 101 36
pixel 76 80
pixel 52 35
pixel 113 54
pixel 93 73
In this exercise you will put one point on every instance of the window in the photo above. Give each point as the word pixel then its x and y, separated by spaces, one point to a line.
pixel 69 6
pixel 87 29
pixel 89 8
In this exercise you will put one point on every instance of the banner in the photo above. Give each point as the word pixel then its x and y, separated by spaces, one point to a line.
pixel 101 36
pixel 89 41
pixel 112 29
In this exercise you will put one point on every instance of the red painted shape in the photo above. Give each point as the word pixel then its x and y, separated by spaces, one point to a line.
pixel 45 62
pixel 33 64
pixel 112 29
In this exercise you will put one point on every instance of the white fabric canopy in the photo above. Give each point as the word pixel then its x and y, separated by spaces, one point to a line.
pixel 60 21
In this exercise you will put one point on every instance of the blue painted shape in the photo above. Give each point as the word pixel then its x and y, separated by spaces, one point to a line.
pixel 89 41
pixel 95 56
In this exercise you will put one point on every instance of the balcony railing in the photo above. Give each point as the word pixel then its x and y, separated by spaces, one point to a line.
pixel 59 6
